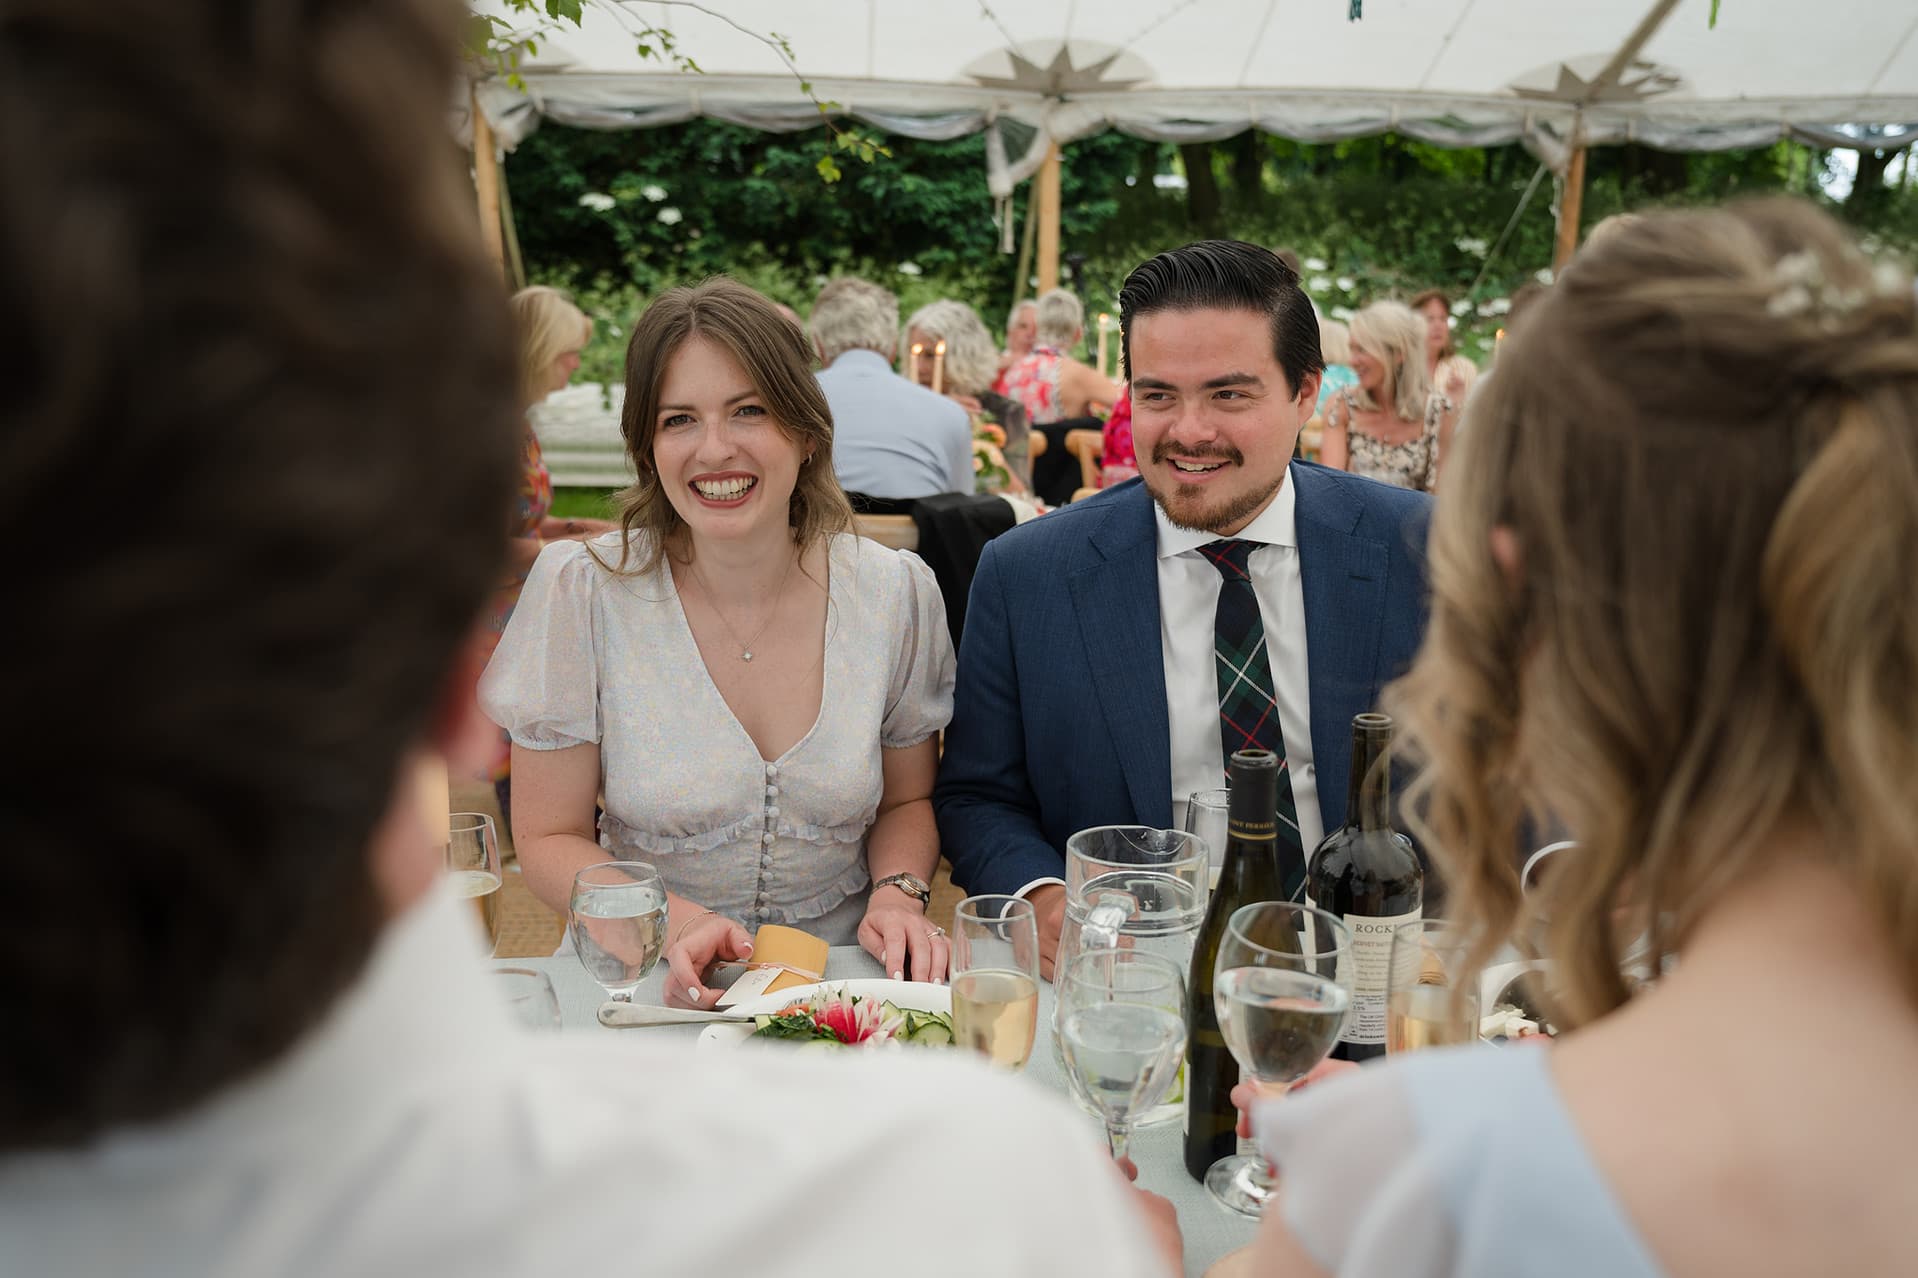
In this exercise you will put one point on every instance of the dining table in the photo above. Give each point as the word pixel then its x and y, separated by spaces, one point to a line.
pixel 1211 1231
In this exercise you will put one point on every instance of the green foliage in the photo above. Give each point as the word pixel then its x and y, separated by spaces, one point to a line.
pixel 1386 216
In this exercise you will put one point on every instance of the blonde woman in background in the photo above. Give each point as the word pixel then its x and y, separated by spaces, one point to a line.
pixel 968 372
pixel 1022 330
pixel 552 332
pixel 1335 344
pixel 1673 607
pixel 1391 427
pixel 1451 372
pixel 1050 384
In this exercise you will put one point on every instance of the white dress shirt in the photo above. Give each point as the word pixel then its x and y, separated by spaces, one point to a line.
pixel 417 1132
pixel 1188 611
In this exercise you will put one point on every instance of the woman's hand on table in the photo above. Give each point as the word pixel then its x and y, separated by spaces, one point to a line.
pixel 698 944
pixel 1246 1095
pixel 907 944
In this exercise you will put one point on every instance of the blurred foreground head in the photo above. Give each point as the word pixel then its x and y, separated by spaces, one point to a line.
pixel 259 440
pixel 1673 587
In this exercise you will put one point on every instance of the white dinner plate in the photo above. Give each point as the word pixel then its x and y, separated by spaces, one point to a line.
pixel 920 996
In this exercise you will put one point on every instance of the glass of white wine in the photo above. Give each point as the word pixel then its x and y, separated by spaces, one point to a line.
pixel 618 922
pixel 472 866
pixel 1282 988
pixel 1121 1033
pixel 1433 998
pixel 995 977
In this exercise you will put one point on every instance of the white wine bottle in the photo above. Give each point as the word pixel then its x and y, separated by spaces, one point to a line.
pixel 1250 874
pixel 1367 874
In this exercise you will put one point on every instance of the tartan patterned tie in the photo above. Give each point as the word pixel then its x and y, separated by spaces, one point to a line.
pixel 1248 709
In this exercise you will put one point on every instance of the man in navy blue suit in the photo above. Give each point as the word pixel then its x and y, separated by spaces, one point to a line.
pixel 1118 651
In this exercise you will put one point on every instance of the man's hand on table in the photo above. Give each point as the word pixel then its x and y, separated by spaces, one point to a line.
pixel 1049 903
pixel 1161 1219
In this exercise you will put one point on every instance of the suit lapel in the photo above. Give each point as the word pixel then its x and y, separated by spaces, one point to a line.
pixel 1116 599
pixel 1343 579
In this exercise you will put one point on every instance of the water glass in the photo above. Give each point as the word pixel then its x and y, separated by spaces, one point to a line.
pixel 618 920
pixel 1206 815
pixel 1282 988
pixel 472 867
pixel 995 978
pixel 530 996
pixel 1122 1034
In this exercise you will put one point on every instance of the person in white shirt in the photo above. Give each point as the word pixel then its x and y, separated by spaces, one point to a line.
pixel 248 1033
pixel 1118 651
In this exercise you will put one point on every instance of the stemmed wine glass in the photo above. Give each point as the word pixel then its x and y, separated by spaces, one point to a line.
pixel 1283 988
pixel 618 919
pixel 472 868
pixel 1121 1033
pixel 995 977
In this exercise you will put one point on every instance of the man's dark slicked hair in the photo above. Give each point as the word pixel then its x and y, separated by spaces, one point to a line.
pixel 1227 275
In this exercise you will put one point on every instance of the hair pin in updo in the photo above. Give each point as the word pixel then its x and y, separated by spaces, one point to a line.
pixel 1803 289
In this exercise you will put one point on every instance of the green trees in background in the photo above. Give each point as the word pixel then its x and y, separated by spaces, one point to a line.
pixel 617 217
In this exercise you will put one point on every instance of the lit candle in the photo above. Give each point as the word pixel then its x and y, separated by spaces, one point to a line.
pixel 436 802
pixel 918 349
pixel 939 368
pixel 1104 319
pixel 1498 340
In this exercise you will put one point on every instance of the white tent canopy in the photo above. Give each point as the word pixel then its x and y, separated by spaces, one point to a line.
pixel 1453 72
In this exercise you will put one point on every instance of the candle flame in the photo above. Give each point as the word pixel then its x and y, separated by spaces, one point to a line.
pixel 940 349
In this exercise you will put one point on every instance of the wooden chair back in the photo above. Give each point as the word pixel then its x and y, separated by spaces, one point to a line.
pixel 896 531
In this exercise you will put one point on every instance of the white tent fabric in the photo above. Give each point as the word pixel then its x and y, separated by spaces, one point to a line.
pixel 1452 72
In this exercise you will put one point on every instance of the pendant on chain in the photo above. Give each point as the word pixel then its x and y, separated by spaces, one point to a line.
pixel 745 656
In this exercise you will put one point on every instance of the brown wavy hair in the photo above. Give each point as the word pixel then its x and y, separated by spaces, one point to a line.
pixel 1704 445
pixel 773 353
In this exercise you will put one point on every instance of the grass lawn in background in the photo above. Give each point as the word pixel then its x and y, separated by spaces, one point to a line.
pixel 583 503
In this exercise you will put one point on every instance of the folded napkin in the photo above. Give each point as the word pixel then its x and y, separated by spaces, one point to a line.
pixel 801 954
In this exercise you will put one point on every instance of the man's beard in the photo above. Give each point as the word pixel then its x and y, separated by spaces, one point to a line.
pixel 1228 512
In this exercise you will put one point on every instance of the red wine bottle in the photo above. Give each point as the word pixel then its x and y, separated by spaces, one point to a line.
pixel 1367 874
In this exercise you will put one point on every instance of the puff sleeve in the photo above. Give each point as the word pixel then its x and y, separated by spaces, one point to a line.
pixel 542 685
pixel 919 696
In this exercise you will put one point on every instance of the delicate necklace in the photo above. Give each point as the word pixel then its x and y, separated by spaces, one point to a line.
pixel 745 646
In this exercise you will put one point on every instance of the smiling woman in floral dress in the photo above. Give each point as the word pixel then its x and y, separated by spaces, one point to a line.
pixel 752 692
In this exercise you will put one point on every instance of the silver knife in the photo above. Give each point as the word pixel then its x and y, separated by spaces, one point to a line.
pixel 638 1015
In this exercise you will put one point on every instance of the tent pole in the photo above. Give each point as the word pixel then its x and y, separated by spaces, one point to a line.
pixel 1023 282
pixel 1569 206
pixel 1049 220
pixel 486 183
pixel 515 264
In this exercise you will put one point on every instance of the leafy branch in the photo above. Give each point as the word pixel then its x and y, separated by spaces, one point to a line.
pixel 500 47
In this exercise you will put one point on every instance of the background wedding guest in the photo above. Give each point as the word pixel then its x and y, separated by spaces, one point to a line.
pixel 892 438
pixel 751 692
pixel 1674 607
pixel 967 374
pixel 552 332
pixel 1022 329
pixel 308 1073
pixel 1451 373
pixel 1049 383
pixel 1391 426
pixel 1335 343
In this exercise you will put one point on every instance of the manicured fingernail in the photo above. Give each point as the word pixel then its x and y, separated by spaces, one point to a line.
pixel 745 949
pixel 898 976
pixel 692 992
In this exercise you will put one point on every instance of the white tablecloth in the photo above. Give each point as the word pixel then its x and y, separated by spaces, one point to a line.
pixel 1210 1230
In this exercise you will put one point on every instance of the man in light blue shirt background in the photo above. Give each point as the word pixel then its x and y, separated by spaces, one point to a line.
pixel 892 438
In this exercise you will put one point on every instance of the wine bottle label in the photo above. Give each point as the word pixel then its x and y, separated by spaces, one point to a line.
pixel 1371 959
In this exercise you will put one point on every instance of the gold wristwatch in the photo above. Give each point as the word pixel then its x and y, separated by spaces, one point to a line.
pixel 911 884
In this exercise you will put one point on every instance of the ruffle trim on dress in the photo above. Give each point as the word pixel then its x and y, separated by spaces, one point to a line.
pixel 616 835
